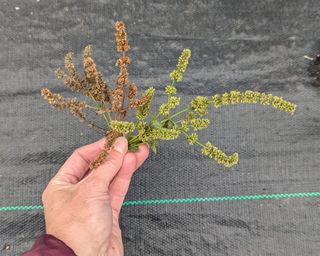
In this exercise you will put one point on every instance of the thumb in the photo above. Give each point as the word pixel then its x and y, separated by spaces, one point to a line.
pixel 104 174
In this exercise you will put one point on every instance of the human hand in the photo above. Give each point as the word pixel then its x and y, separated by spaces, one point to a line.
pixel 82 207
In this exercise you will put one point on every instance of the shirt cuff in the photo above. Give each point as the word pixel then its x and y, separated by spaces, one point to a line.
pixel 50 246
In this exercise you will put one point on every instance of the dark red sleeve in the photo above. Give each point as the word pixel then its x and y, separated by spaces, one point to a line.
pixel 49 245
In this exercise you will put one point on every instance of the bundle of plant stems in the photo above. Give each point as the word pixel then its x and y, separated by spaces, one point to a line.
pixel 167 123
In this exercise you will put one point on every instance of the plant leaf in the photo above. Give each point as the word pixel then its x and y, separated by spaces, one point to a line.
pixel 133 148
pixel 153 146
pixel 155 123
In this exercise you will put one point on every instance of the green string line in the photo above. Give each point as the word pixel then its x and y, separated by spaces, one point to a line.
pixel 182 200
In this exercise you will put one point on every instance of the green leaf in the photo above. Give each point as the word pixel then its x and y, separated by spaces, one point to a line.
pixel 133 148
pixel 155 123
pixel 153 146
pixel 154 149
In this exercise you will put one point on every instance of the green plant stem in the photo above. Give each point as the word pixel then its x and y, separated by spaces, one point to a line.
pixel 88 106
pixel 176 114
pixel 93 125
pixel 197 142
pixel 104 116
pixel 134 142
pixel 109 116
pixel 172 84
pixel 134 139
pixel 186 134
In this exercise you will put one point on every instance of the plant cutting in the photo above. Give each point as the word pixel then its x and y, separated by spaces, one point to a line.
pixel 151 126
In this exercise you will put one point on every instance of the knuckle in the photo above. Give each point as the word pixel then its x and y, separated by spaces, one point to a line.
pixel 114 160
pixel 77 151
pixel 44 195
pixel 80 153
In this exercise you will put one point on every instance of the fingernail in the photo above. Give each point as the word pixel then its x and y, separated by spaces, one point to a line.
pixel 120 145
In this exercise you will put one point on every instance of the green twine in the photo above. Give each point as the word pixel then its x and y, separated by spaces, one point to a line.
pixel 21 207
pixel 221 198
pixel 182 200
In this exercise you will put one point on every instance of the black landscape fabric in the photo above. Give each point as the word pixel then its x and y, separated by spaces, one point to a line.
pixel 256 45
